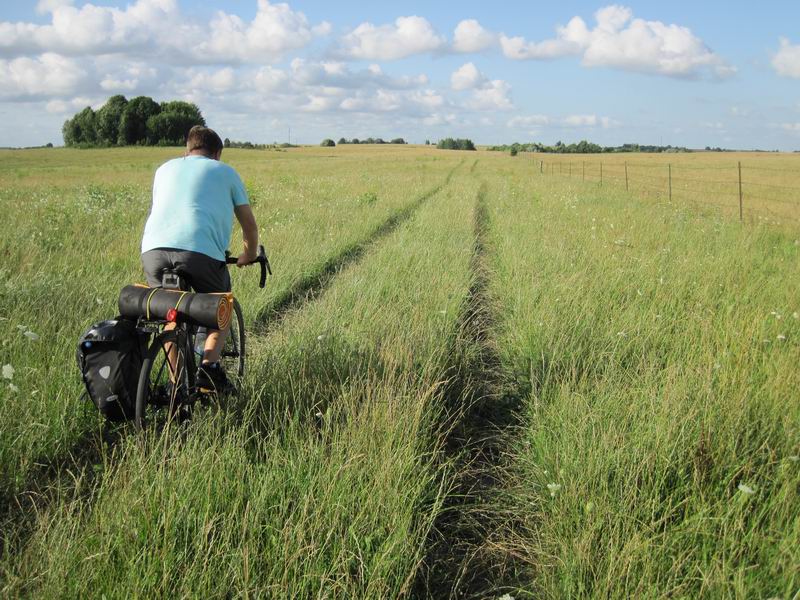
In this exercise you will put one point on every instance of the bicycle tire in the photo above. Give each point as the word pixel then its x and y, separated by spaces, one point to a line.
pixel 234 351
pixel 154 379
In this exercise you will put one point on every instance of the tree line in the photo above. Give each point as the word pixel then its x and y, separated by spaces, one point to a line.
pixel 369 140
pixel 455 144
pixel 139 121
pixel 583 147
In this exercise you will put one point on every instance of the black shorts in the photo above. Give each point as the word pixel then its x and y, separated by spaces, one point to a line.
pixel 203 273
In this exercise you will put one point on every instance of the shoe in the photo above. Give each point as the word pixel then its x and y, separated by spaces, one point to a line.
pixel 211 379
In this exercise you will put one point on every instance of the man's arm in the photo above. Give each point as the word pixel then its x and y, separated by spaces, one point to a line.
pixel 244 214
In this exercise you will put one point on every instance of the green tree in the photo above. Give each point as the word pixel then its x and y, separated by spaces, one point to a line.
pixel 133 125
pixel 171 125
pixel 81 129
pixel 108 120
pixel 328 143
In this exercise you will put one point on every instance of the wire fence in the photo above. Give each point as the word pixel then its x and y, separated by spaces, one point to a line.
pixel 745 188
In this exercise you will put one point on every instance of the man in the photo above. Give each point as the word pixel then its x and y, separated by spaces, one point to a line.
pixel 189 229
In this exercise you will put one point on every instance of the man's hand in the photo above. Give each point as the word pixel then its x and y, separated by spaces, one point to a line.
pixel 245 259
pixel 250 234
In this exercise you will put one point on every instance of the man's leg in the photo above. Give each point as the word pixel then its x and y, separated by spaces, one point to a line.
pixel 215 342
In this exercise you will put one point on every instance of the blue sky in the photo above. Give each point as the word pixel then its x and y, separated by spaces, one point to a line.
pixel 682 73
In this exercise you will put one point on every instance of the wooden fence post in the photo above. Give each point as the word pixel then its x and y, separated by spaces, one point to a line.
pixel 670 182
pixel 741 217
pixel 626 175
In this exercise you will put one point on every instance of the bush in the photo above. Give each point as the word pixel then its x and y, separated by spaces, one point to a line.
pixel 513 151
pixel 328 143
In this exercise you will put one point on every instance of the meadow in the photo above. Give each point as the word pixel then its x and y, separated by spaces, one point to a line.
pixel 468 377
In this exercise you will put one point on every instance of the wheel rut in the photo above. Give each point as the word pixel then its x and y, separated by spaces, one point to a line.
pixel 481 407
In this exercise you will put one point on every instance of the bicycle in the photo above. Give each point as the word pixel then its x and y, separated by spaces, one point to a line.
pixel 172 359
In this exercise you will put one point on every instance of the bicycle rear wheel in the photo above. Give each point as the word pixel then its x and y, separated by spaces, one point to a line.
pixel 166 379
pixel 233 354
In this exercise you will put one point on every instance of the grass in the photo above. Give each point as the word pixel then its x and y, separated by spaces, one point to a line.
pixel 649 347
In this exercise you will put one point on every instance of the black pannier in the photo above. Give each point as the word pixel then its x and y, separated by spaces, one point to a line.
pixel 110 355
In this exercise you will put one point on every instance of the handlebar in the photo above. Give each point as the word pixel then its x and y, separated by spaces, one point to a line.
pixel 261 259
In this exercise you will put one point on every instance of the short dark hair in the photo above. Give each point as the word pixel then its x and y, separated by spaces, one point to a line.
pixel 203 138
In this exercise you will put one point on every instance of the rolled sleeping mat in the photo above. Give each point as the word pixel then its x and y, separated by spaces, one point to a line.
pixel 205 310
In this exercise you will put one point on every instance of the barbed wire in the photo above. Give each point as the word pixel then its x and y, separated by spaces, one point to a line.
pixel 734 191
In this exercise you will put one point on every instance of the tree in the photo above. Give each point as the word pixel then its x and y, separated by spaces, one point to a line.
pixel 341 141
pixel 513 150
pixel 170 126
pixel 398 141
pixel 108 120
pixel 81 129
pixel 328 143
pixel 133 125
pixel 354 141
pixel 226 143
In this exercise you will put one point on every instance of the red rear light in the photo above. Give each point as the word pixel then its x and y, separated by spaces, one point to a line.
pixel 172 315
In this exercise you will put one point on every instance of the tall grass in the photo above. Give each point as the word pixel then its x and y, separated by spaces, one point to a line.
pixel 77 220
pixel 319 481
pixel 657 351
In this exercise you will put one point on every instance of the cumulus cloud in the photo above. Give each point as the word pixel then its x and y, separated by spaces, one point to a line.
pixel 470 36
pixel 486 94
pixel 467 77
pixel 45 76
pixel 589 121
pixel 158 28
pixel 787 60
pixel 407 36
pixel 491 96
pixel 529 121
pixel 621 41
pixel 338 74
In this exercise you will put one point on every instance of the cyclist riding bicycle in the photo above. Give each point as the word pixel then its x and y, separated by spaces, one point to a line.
pixel 189 229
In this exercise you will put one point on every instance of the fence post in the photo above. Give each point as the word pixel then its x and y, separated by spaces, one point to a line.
pixel 740 192
pixel 670 182
pixel 626 175
pixel 601 172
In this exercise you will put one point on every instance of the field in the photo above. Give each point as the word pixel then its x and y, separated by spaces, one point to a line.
pixel 471 375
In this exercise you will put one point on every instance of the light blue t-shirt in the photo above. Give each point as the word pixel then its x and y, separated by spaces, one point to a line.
pixel 193 200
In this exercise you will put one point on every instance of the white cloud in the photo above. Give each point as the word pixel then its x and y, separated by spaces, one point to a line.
pixel 791 127
pixel 620 41
pixel 467 77
pixel 45 76
pixel 151 28
pixel 787 60
pixel 589 121
pixel 407 36
pixel 338 74
pixel 529 121
pixel 470 36
pixel 492 96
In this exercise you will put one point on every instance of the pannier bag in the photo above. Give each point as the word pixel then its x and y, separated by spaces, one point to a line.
pixel 110 355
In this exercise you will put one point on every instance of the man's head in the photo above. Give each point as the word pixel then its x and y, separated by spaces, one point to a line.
pixel 205 141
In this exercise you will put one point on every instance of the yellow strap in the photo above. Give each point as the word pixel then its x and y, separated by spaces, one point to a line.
pixel 150 297
pixel 178 303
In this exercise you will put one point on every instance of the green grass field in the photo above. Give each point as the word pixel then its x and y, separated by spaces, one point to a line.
pixel 467 378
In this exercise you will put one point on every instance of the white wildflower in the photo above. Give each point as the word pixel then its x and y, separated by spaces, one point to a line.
pixel 621 334
pixel 31 336
pixel 320 337
pixel 553 487
pixel 746 489
pixel 8 372
pixel 781 337
pixel 12 388
pixel 506 597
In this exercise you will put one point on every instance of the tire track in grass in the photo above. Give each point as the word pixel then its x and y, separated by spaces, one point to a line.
pixel 312 285
pixel 481 408
pixel 77 469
